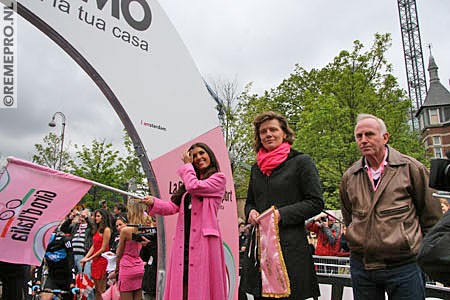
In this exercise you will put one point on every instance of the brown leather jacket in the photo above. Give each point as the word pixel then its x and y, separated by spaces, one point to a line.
pixel 385 228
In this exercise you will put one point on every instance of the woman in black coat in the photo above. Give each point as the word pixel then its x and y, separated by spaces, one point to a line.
pixel 288 180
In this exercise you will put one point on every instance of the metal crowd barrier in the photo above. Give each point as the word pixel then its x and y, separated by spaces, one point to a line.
pixel 335 271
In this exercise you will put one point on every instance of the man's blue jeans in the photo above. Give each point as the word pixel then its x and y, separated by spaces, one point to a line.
pixel 400 283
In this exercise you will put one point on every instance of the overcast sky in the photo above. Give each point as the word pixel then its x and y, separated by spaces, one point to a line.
pixel 257 41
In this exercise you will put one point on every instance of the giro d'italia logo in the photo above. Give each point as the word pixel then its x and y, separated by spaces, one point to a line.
pixel 12 208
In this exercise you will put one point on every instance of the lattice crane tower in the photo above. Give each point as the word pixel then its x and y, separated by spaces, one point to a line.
pixel 412 49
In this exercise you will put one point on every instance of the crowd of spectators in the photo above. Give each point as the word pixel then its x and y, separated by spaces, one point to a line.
pixel 80 239
pixel 325 232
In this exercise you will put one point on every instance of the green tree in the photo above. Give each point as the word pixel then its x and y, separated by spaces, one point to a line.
pixel 49 153
pixel 130 168
pixel 100 163
pixel 233 129
pixel 355 82
pixel 322 106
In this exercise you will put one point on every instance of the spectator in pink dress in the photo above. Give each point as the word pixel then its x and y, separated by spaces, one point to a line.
pixel 129 265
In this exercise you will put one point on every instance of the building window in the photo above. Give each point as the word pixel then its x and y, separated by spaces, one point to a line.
pixel 434 116
pixel 447 114
pixel 438 152
pixel 436 140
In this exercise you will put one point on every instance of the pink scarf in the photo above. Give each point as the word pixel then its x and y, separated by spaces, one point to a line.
pixel 269 160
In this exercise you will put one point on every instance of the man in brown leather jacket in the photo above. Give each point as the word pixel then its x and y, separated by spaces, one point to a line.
pixel 387 207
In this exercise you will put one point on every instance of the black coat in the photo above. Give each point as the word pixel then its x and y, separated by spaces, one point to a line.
pixel 294 189
pixel 149 254
pixel 434 254
pixel 68 227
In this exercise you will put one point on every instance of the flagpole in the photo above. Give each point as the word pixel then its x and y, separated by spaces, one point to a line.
pixel 3 164
pixel 116 190
pixel 446 196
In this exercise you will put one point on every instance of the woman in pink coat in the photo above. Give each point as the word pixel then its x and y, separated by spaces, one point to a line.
pixel 197 264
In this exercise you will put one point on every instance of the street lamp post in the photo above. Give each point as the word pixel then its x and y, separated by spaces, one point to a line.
pixel 53 124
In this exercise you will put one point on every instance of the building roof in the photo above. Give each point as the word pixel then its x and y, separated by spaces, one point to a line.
pixel 437 94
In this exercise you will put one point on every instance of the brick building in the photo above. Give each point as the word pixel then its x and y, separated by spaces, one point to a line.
pixel 434 115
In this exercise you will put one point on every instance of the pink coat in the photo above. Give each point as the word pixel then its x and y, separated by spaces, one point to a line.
pixel 207 273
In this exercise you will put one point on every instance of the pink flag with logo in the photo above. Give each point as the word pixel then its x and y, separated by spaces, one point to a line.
pixel 274 277
pixel 33 200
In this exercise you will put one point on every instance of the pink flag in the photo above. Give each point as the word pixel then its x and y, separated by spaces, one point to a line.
pixel 33 200
pixel 274 277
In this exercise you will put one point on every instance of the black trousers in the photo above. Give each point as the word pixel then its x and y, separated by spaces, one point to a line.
pixel 13 280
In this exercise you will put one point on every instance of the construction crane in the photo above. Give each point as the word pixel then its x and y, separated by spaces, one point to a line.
pixel 412 49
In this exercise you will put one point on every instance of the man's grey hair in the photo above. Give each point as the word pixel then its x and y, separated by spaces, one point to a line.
pixel 361 117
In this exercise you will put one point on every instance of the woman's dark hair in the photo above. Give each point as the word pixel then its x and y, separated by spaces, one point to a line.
pixel 121 207
pixel 104 223
pixel 123 217
pixel 212 168
pixel 267 116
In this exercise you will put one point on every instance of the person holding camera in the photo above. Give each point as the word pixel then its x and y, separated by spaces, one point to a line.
pixel 129 265
pixel 328 234
pixel 81 233
pixel 197 264
pixel 70 221
pixel 387 207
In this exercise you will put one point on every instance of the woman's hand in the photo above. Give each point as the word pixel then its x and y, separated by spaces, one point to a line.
pixel 277 214
pixel 253 216
pixel 187 157
pixel 84 260
pixel 148 200
pixel 144 241
pixel 113 274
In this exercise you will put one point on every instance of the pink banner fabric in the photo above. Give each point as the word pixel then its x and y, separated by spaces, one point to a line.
pixel 165 168
pixel 33 200
pixel 275 280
